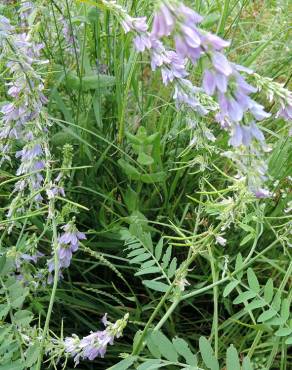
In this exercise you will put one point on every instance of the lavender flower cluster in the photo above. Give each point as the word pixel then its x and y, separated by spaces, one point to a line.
pixel 68 243
pixel 95 344
pixel 222 80
pixel 21 120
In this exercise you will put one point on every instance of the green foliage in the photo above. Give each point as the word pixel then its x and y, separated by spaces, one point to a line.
pixel 153 260
pixel 272 304
pixel 152 192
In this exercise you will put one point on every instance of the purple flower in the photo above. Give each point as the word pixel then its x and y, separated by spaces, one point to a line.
pixel 262 193
pixel 95 344
pixel 175 68
pixel 243 135
pixel 28 153
pixel 163 23
pixel 190 16
pixel 28 258
pixel 185 94
pixel 285 111
pixel 139 24
pixel 214 42
pixel 55 191
pixel 209 82
pixel 188 43
pixel 68 244
pixel 221 63
pixel 258 110
pixel 5 27
pixel 142 42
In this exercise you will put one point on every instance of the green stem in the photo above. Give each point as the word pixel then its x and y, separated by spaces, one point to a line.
pixel 139 345
pixel 215 303
pixel 168 313
pixel 52 298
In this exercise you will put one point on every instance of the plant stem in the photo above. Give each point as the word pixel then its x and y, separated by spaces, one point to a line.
pixel 215 303
pixel 52 298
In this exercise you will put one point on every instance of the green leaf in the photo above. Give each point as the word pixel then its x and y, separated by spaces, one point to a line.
pixel 152 178
pixel 131 199
pixel 166 257
pixel 6 265
pixel 124 364
pixel 207 354
pixel 267 315
pixel 183 349
pixel 17 365
pixel 23 318
pixel 32 354
pixel 136 252
pixel 232 360
pixel 2 263
pixel 172 268
pixel 129 170
pixel 246 227
pixel 246 239
pixel 229 287
pixel 256 303
pixel 158 249
pixel 136 339
pixel 149 270
pixel 285 309
pixel 152 364
pixel 141 258
pixel 277 321
pixel 288 340
pixel 276 303
pixel 147 264
pixel 283 332
pixel 246 364
pixel 238 265
pixel 154 350
pixel 244 297
pixel 253 281
pixel 156 285
pixel 165 346
pixel 269 291
pixel 4 309
pixel 145 159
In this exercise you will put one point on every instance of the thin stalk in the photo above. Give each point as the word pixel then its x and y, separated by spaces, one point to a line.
pixel 53 294
pixel 215 302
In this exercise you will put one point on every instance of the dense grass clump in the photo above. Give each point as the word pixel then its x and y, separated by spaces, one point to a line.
pixel 145 185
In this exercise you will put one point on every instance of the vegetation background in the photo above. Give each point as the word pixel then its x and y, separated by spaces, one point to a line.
pixel 141 190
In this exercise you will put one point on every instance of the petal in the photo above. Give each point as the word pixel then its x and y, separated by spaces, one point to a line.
pixel 221 63
pixel 209 82
pixel 236 138
pixel 221 82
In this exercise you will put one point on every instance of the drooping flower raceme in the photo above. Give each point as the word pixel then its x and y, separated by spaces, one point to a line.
pixel 68 243
pixel 95 344
pixel 222 80
pixel 23 118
